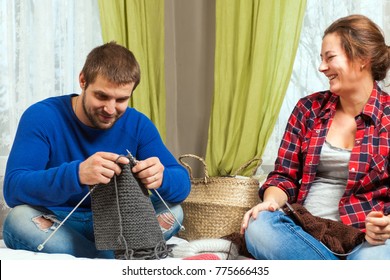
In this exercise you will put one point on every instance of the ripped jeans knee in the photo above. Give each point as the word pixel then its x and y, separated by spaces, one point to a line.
pixel 29 228
pixel 166 221
pixel 26 226
pixel 170 223
pixel 46 222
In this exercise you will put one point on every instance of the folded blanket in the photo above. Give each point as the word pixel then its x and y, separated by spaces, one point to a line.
pixel 216 248
pixel 204 257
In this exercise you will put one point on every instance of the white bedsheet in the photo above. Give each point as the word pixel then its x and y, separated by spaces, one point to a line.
pixel 10 254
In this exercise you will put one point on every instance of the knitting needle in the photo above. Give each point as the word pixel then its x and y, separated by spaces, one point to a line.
pixel 181 226
pixel 42 245
pixel 290 207
pixel 134 162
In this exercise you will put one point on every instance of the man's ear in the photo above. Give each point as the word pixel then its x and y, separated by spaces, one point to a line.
pixel 82 81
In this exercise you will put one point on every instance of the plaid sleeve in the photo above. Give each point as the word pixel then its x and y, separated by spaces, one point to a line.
pixel 288 165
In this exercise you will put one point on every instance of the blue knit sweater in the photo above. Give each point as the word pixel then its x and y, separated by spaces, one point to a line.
pixel 51 142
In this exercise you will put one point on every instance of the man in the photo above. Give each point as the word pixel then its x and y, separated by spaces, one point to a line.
pixel 66 144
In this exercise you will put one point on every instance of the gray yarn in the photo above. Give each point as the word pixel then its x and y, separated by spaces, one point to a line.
pixel 125 220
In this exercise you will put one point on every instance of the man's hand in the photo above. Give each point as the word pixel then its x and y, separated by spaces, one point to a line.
pixel 150 171
pixel 100 168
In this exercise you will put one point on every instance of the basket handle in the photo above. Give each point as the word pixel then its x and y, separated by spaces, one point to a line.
pixel 206 172
pixel 245 165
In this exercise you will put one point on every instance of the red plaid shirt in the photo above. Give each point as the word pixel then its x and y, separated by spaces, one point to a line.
pixel 299 154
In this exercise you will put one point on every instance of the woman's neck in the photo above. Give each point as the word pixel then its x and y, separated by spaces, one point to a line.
pixel 354 102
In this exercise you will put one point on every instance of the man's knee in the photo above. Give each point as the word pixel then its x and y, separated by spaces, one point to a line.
pixel 22 214
pixel 170 221
pixel 45 222
pixel 166 221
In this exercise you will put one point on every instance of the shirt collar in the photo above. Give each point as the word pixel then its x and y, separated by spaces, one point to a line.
pixel 330 106
pixel 370 110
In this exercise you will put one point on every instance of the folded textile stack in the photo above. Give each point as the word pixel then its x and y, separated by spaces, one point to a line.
pixel 206 249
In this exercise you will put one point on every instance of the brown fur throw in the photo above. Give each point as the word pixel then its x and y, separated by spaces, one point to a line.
pixel 239 240
pixel 341 239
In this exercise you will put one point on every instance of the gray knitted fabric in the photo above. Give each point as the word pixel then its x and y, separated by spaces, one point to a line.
pixel 125 220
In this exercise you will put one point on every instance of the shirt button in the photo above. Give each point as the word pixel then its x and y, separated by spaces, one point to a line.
pixel 358 142
pixel 318 131
pixel 353 169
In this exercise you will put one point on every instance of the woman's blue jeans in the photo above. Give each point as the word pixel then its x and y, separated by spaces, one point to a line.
pixel 74 237
pixel 275 236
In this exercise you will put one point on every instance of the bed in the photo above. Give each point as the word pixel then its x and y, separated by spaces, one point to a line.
pixel 202 249
pixel 10 254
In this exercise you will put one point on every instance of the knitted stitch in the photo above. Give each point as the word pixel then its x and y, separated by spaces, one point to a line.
pixel 125 220
pixel 339 238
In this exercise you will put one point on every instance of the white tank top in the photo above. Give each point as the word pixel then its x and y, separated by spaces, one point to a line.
pixel 330 182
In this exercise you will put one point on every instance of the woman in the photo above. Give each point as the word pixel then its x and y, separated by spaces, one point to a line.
pixel 334 155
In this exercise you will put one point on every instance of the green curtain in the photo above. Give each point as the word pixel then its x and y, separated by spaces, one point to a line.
pixel 139 26
pixel 256 43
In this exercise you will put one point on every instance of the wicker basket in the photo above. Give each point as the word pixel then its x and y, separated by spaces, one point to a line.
pixel 216 205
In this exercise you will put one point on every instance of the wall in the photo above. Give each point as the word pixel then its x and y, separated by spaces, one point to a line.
pixel 189 59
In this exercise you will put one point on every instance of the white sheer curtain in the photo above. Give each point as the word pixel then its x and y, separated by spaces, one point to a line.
pixel 43 46
pixel 306 78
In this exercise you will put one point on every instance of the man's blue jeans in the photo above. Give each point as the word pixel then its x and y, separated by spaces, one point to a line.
pixel 275 236
pixel 76 235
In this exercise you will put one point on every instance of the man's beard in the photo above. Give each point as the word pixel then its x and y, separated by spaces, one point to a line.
pixel 94 119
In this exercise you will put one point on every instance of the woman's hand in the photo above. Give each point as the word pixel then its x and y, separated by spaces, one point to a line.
pixel 252 213
pixel 377 228
pixel 274 198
